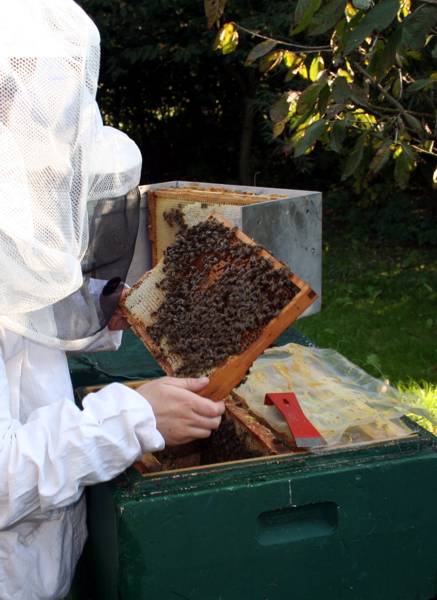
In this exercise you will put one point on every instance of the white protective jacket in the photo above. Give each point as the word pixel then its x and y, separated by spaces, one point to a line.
pixel 56 160
pixel 49 451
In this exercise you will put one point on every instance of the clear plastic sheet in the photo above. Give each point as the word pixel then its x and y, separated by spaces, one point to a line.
pixel 342 401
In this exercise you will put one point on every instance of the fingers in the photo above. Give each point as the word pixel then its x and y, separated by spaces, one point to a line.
pixel 188 383
pixel 118 323
pixel 198 434
pixel 181 414
pixel 201 406
pixel 199 422
pixel 208 408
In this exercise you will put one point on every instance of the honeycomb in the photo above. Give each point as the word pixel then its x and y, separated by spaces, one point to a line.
pixel 201 202
pixel 215 295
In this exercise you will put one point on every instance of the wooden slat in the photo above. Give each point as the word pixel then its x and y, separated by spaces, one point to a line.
pixel 259 437
pixel 212 194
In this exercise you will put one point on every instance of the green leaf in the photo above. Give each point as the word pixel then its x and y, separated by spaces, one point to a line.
pixel 214 10
pixel 338 135
pixel 381 158
pixel 278 128
pixel 396 88
pixel 417 26
pixel 279 110
pixel 270 61
pixel 303 14
pixel 434 178
pixel 376 19
pixel 309 97
pixel 413 123
pixel 312 134
pixel 362 4
pixel 227 39
pixel 384 55
pixel 325 94
pixel 260 50
pixel 291 59
pixel 316 67
pixel 355 157
pixel 405 163
pixel 327 17
pixel 420 84
pixel 340 90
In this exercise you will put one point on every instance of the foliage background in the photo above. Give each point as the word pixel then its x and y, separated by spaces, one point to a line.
pixel 199 115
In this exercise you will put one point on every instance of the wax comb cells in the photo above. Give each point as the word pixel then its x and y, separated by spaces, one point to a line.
pixel 213 296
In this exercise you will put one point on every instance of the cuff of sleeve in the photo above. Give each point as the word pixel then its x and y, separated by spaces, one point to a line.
pixel 117 402
pixel 105 340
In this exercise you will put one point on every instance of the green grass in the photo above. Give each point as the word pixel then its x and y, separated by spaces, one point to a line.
pixel 426 397
pixel 380 311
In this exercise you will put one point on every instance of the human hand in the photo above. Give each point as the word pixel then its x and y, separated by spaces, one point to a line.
pixel 118 321
pixel 181 414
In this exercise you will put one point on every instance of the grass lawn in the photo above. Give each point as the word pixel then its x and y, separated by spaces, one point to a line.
pixel 380 311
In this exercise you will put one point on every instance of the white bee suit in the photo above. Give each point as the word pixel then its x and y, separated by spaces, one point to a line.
pixel 49 451
pixel 56 160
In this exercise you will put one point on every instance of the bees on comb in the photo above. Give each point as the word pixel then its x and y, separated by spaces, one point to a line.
pixel 219 292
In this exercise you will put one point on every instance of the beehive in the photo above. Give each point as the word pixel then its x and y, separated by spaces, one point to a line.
pixel 213 303
pixel 203 202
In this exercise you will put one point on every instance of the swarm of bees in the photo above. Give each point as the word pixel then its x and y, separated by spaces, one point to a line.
pixel 175 217
pixel 219 293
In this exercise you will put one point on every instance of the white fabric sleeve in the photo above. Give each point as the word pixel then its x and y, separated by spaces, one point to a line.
pixel 103 341
pixel 46 462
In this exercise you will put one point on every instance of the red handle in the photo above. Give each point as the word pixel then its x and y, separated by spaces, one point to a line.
pixel 301 428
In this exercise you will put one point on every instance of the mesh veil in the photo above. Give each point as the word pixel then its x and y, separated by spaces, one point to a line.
pixel 62 174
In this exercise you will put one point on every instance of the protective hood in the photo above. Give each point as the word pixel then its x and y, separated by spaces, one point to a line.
pixel 60 170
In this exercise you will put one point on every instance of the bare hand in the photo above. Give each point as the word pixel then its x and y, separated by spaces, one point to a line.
pixel 182 415
pixel 118 321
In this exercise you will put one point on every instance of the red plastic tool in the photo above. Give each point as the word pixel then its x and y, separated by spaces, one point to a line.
pixel 303 431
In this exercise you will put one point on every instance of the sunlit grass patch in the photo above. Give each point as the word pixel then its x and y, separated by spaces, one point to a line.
pixel 379 311
pixel 425 395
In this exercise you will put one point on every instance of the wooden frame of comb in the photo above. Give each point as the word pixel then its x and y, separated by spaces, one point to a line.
pixel 224 378
pixel 184 196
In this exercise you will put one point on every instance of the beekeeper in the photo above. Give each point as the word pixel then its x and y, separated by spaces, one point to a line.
pixel 68 220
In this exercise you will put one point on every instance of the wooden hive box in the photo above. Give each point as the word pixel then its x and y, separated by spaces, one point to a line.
pixel 243 435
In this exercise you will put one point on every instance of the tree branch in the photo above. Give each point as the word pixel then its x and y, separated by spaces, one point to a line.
pixel 423 151
pixel 383 91
pixel 309 49
pixel 402 110
pixel 390 111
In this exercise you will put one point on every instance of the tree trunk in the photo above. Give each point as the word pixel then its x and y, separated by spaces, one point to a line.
pixel 247 127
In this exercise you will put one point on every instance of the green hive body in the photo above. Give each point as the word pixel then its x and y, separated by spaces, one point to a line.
pixel 355 524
